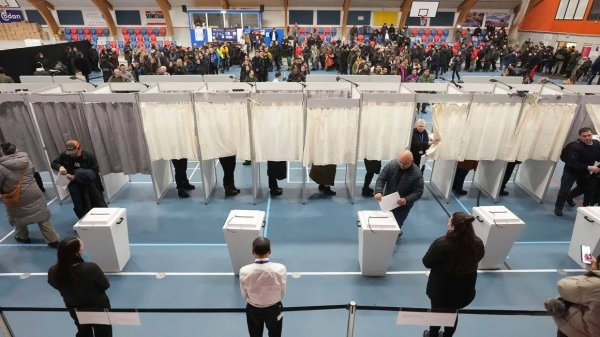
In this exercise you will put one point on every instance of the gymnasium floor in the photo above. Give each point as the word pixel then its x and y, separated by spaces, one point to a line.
pixel 184 239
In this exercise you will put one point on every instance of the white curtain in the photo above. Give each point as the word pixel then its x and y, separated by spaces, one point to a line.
pixel 329 94
pixel 223 130
pixel 490 130
pixel 385 130
pixel 541 131
pixel 169 130
pixel 278 131
pixel 593 111
pixel 331 136
pixel 449 126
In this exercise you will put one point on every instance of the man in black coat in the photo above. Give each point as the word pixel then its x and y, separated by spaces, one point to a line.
pixel 94 58
pixel 404 177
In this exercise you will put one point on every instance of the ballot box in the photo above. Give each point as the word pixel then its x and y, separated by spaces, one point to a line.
pixel 240 229
pixel 377 235
pixel 105 237
pixel 498 228
pixel 586 232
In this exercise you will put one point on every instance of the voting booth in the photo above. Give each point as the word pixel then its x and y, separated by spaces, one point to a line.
pixel 499 229
pixel 106 238
pixel 240 229
pixel 377 235
pixel 586 232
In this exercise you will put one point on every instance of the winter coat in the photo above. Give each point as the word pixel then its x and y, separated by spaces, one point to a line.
pixel 32 206
pixel 583 296
pixel 409 185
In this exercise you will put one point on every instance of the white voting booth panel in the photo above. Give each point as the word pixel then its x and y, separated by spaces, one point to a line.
pixel 534 176
pixel 377 235
pixel 240 229
pixel 106 238
pixel 217 78
pixel 486 79
pixel 586 232
pixel 35 79
pixel 187 78
pixel 25 87
pixel 152 79
pixel 499 229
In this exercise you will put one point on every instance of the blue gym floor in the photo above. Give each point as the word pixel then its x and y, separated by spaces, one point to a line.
pixel 183 238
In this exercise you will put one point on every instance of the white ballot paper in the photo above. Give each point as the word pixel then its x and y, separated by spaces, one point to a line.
pixel 426 318
pixel 62 181
pixel 88 317
pixel 124 318
pixel 389 202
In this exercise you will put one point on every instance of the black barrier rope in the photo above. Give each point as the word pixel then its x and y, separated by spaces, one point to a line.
pixel 463 311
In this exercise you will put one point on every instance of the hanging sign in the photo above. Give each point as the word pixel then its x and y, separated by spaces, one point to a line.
pixel 11 15
pixel 155 18
pixel 93 19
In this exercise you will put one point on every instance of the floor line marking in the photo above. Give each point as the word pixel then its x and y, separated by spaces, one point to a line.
pixel 325 273
pixel 7 235
pixel 195 169
pixel 131 244
pixel 542 242
pixel 267 216
pixel 460 203
pixel 51 201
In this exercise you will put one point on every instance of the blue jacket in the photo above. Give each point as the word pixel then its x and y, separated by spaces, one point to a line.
pixel 410 186
pixel 596 66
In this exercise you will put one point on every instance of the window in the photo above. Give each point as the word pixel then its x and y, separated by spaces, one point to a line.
pixel 234 20
pixel 250 20
pixel 215 20
pixel 571 9
pixel 594 14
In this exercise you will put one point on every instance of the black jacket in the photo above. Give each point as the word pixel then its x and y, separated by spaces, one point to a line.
pixel 86 161
pixel 88 291
pixel 580 156
pixel 416 145
pixel 408 183
pixel 445 286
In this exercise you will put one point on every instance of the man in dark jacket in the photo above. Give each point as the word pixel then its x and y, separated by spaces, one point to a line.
pixel 404 177
pixel 594 71
pixel 94 58
pixel 81 168
pixel 580 158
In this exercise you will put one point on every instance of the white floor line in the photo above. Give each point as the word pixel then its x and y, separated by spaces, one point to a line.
pixel 51 201
pixel 7 235
pixel 195 169
pixel 323 273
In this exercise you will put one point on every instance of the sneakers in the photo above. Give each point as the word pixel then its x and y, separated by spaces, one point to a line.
pixel 53 245
pixel 503 193
pixel 22 240
pixel 182 193
pixel 247 162
pixel 570 202
pixel 558 212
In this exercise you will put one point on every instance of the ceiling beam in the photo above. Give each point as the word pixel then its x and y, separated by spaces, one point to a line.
pixel 286 16
pixel 49 5
pixel 103 7
pixel 225 4
pixel 464 8
pixel 165 7
pixel 345 17
pixel 405 9
pixel 47 15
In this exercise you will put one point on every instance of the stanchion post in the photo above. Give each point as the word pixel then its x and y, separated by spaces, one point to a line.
pixel 4 326
pixel 351 316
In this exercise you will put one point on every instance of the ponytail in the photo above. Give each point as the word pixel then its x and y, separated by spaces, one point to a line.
pixel 465 242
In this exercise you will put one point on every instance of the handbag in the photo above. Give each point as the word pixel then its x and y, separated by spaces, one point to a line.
pixel 14 197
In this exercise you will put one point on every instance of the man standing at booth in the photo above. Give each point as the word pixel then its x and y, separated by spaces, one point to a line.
pixel 81 169
pixel 404 177
pixel 263 286
pixel 579 157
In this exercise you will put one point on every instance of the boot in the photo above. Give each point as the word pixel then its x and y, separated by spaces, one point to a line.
pixel 22 240
pixel 321 187
pixel 274 186
pixel 328 191
pixel 182 193
pixel 367 192
pixel 187 186
pixel 229 191
pixel 275 192
pixel 570 202
pixel 235 188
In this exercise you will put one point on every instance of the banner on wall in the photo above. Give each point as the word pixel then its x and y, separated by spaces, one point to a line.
pixel 155 18
pixel 498 20
pixel 474 19
pixel 11 15
pixel 93 18
pixel 595 51
pixel 225 34
pixel 586 50
pixel 199 34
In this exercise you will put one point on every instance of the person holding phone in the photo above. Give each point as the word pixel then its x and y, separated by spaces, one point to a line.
pixel 576 311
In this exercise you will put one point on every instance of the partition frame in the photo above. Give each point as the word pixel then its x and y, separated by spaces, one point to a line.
pixel 208 169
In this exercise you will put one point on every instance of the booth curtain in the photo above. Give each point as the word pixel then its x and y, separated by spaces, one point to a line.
pixel 593 113
pixel 17 127
pixel 490 130
pixel 223 130
pixel 278 131
pixel 449 126
pixel 542 131
pixel 169 130
pixel 582 119
pixel 117 135
pixel 60 122
pixel 331 136
pixel 324 94
pixel 385 130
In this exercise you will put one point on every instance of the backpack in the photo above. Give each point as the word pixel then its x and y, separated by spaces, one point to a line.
pixel 564 154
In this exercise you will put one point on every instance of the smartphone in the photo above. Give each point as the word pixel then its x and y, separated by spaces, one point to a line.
pixel 586 254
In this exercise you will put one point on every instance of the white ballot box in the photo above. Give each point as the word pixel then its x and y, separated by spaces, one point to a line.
pixel 105 236
pixel 377 234
pixel 498 228
pixel 586 232
pixel 241 228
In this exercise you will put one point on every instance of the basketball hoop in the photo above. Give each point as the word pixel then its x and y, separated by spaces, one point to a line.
pixel 423 20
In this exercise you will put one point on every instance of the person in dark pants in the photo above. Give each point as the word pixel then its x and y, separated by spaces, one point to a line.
pixel 580 158
pixel 38 181
pixel 324 175
pixel 510 167
pixel 81 284
pixel 263 285
pixel 420 143
pixel 453 260
pixel 81 168
pixel 404 177
pixel 181 179
pixel 228 165
pixel 462 170
pixel 373 167
pixel 276 170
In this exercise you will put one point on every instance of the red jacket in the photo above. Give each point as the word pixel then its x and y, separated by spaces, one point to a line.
pixel 474 54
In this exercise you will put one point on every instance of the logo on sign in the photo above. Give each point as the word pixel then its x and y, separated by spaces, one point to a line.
pixel 11 16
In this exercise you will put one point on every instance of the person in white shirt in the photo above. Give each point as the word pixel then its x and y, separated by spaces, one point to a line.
pixel 277 77
pixel 263 285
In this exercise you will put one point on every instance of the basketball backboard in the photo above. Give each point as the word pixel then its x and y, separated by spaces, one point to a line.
pixel 427 9
pixel 9 3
